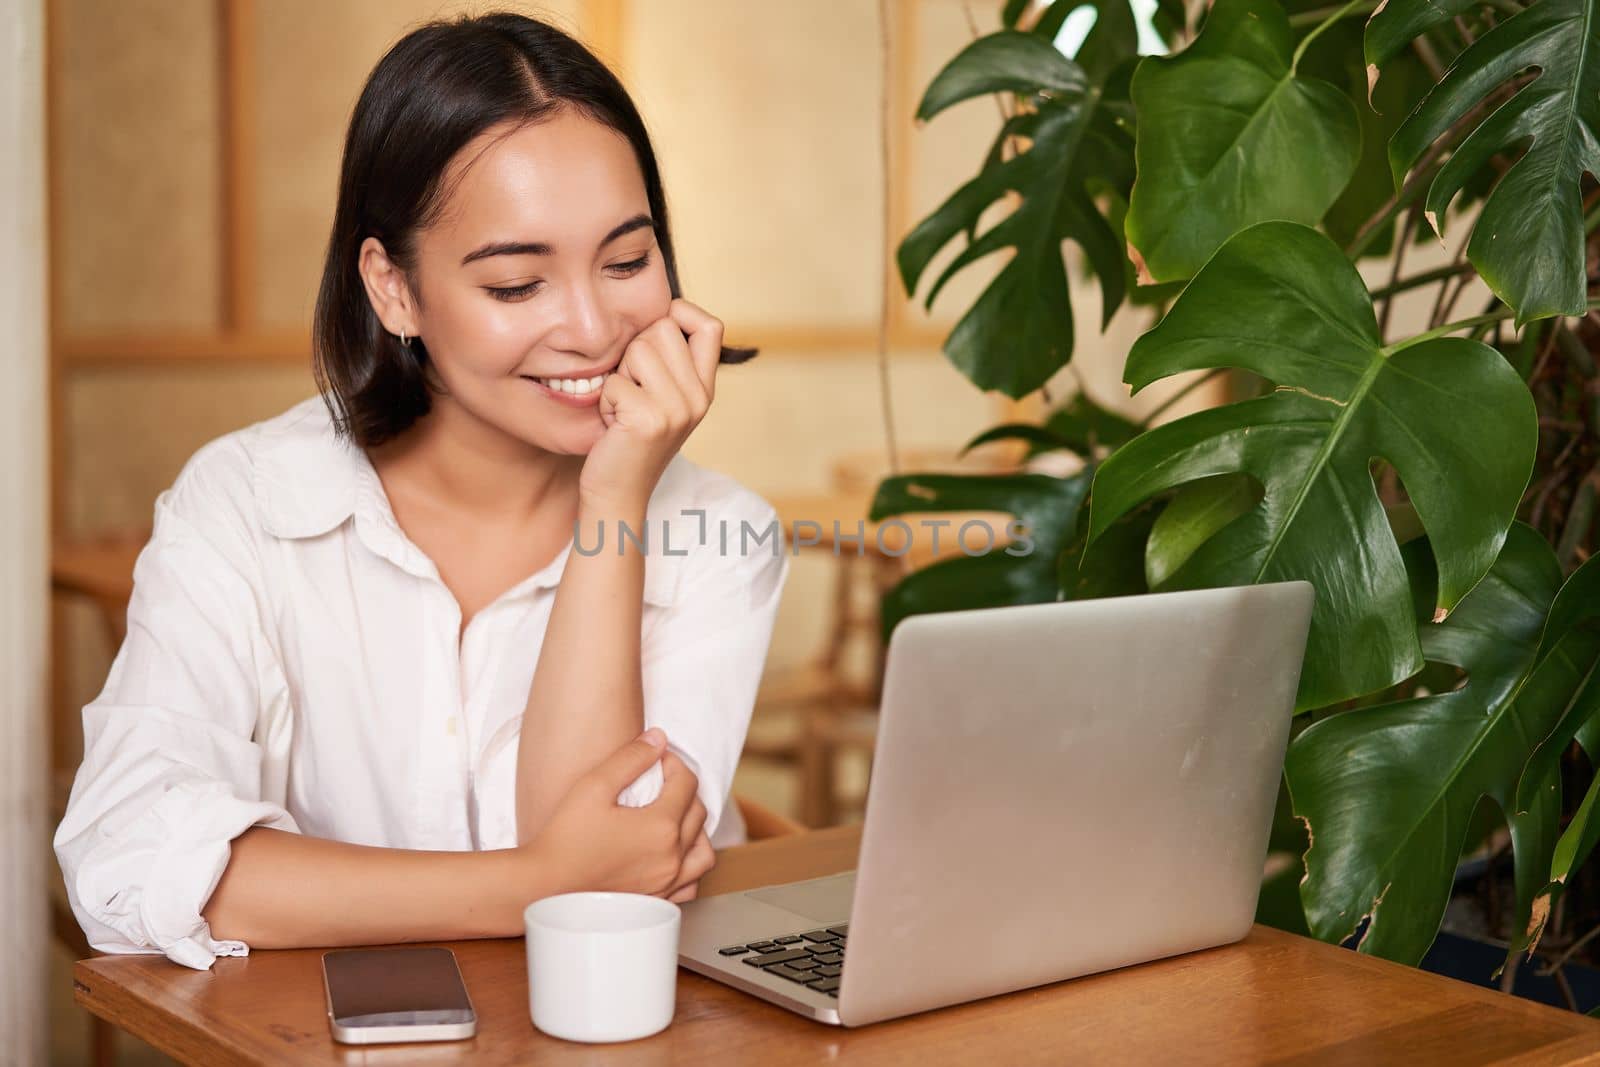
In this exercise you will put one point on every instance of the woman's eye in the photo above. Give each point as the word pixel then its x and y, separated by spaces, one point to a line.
pixel 628 269
pixel 514 293
pixel 633 266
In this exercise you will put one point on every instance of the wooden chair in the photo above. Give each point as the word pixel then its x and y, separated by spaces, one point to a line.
pixel 826 706
pixel 833 697
pixel 761 823
pixel 100 570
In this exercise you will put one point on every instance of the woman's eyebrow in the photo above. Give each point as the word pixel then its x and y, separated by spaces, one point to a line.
pixel 540 248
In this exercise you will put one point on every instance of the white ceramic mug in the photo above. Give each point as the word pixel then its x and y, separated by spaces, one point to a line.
pixel 602 966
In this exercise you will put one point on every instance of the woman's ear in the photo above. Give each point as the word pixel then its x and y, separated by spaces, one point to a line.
pixel 387 289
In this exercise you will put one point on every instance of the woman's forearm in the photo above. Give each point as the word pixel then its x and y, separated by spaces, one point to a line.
pixel 587 697
pixel 285 890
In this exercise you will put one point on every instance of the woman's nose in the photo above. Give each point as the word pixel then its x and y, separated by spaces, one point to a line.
pixel 587 323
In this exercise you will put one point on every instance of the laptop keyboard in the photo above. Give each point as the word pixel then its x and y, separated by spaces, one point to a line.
pixel 814 959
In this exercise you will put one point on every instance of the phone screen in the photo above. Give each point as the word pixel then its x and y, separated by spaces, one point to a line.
pixel 396 994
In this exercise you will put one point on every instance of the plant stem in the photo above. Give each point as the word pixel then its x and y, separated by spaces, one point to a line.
pixel 1445 305
pixel 885 398
pixel 1545 352
pixel 1420 171
pixel 1310 18
pixel 1338 13
pixel 1430 59
pixel 1548 483
pixel 1394 273
pixel 1577 354
pixel 1508 977
pixel 1420 178
pixel 1566 986
pixel 1165 405
pixel 1570 951
pixel 1478 332
pixel 972 25
pixel 1441 306
pixel 1418 280
pixel 1461 324
pixel 1579 516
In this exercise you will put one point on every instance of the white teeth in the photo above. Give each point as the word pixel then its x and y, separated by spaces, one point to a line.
pixel 575 386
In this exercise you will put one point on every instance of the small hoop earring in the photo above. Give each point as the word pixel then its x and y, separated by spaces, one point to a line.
pixel 403 342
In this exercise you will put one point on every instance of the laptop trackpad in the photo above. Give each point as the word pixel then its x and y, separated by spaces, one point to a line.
pixel 823 900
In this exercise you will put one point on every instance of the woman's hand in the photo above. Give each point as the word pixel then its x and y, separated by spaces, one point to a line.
pixel 593 843
pixel 699 858
pixel 660 391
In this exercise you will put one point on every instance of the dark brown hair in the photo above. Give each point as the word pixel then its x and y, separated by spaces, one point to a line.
pixel 439 87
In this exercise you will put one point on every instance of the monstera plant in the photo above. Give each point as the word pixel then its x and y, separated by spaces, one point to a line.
pixel 1436 485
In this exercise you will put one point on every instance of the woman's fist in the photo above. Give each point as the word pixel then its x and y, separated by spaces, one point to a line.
pixel 658 394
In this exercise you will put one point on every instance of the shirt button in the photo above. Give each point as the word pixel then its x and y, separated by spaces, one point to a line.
pixel 450 726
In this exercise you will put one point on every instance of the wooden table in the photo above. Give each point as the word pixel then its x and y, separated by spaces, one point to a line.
pixel 1272 998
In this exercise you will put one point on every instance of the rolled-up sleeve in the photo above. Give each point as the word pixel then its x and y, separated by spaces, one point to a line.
pixel 702 664
pixel 170 774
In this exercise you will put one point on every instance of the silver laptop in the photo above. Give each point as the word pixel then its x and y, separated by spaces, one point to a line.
pixel 1058 789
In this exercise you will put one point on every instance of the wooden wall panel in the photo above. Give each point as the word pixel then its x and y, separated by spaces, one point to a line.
pixel 764 117
pixel 132 429
pixel 778 425
pixel 137 123
pixel 312 59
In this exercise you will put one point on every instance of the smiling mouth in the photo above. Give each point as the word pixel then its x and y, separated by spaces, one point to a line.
pixel 571 386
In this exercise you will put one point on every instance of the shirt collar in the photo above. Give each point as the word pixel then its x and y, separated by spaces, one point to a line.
pixel 309 481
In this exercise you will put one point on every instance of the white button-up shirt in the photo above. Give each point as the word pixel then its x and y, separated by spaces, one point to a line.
pixel 292 661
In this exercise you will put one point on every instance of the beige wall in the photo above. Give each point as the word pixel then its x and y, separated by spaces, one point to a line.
pixel 765 116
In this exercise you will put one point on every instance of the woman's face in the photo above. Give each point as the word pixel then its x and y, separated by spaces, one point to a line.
pixel 544 265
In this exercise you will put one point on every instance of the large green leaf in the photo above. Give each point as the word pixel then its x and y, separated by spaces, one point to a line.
pixel 1449 414
pixel 1148 293
pixel 1528 241
pixel 1579 839
pixel 1338 60
pixel 1114 564
pixel 1020 330
pixel 1396 23
pixel 1279 904
pixel 1566 691
pixel 1001 62
pixel 1575 845
pixel 1047 507
pixel 1561 688
pixel 1195 515
pixel 1080 425
pixel 1088 428
pixel 1039 438
pixel 1112 37
pixel 1387 792
pixel 1230 135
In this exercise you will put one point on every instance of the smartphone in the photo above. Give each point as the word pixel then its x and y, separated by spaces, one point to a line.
pixel 377 995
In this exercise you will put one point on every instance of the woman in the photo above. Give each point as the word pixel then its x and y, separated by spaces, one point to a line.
pixel 369 692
